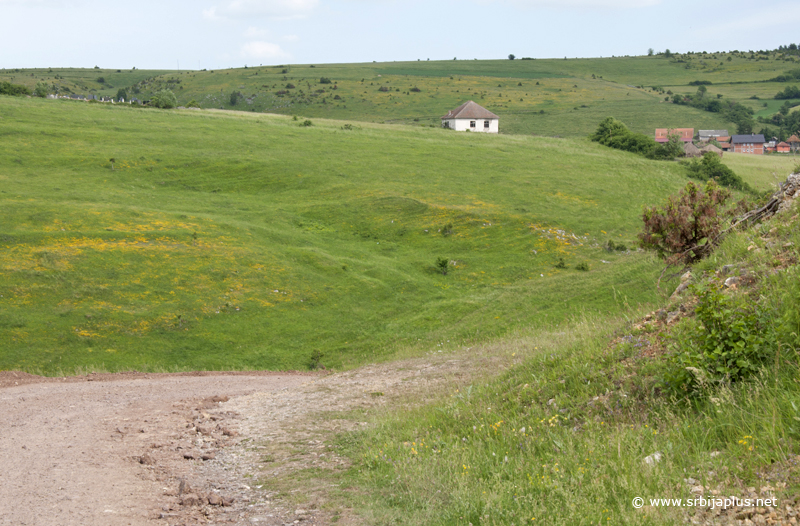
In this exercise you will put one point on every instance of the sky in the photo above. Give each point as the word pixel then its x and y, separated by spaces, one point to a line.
pixel 216 34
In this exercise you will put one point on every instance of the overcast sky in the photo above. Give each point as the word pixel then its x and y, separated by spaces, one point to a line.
pixel 215 34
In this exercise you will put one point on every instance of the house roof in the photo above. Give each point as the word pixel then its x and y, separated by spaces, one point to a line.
pixel 713 133
pixel 470 110
pixel 784 144
pixel 724 145
pixel 691 150
pixel 710 148
pixel 662 134
pixel 793 138
pixel 754 137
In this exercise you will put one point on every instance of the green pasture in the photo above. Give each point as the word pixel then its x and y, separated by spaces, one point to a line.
pixel 236 241
pixel 548 97
pixel 763 172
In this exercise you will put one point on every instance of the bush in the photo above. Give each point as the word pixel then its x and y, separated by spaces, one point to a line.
pixel 40 90
pixel 711 167
pixel 582 266
pixel 6 88
pixel 560 264
pixel 791 92
pixel 614 134
pixel 687 226
pixel 383 88
pixel 235 97
pixel 324 80
pixel 442 265
pixel 306 123
pixel 728 341
pixel 164 99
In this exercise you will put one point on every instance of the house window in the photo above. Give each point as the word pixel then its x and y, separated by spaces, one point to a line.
pixel 486 125
pixel 446 124
pixel 471 124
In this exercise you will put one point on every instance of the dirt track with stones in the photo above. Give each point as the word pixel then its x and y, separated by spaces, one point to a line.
pixel 189 448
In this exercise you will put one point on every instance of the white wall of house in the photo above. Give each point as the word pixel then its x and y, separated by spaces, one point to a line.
pixel 465 124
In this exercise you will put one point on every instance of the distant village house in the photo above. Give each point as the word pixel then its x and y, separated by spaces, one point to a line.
pixel 471 117
pixel 685 134
pixel 752 143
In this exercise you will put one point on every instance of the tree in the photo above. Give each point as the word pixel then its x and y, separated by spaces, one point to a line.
pixel 164 99
pixel 40 90
pixel 235 96
pixel 687 226
pixel 441 264
pixel 511 56
pixel 122 94
pixel 650 52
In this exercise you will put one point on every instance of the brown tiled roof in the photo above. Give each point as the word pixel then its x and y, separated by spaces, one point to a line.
pixel 793 138
pixel 470 110
pixel 785 144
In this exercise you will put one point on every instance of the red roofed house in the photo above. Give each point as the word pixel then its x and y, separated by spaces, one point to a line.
pixel 685 134
pixel 783 147
pixel 471 117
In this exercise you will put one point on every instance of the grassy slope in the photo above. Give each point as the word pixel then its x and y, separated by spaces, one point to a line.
pixel 248 241
pixel 763 172
pixel 574 95
pixel 561 438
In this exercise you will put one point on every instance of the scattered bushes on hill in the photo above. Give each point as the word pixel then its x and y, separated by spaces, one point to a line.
pixel 791 92
pixel 685 229
pixel 787 77
pixel 6 88
pixel 615 134
pixel 710 167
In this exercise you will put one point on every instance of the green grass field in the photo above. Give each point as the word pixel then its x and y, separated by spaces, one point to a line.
pixel 551 97
pixel 222 241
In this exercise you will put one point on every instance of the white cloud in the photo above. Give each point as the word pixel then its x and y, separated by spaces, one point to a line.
pixel 281 9
pixel 263 50
pixel 254 32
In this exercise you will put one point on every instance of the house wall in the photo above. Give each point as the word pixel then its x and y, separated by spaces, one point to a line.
pixel 756 148
pixel 463 125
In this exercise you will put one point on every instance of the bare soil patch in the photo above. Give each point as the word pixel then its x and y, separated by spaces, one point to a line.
pixel 194 448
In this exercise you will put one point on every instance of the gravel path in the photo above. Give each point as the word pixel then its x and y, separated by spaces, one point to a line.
pixel 193 448
pixel 71 450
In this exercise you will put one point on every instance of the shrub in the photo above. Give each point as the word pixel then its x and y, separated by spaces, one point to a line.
pixel 324 80
pixel 582 266
pixel 560 264
pixel 686 228
pixel 415 89
pixel 711 167
pixel 6 88
pixel 383 88
pixel 306 123
pixel 728 341
pixel 235 97
pixel 290 86
pixel 40 90
pixel 447 229
pixel 164 99
pixel 442 265
pixel 315 361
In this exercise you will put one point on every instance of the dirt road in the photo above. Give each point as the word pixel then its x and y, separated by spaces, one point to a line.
pixel 191 448
pixel 107 449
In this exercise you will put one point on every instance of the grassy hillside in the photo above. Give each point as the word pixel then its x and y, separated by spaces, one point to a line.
pixel 249 241
pixel 551 97
pixel 586 420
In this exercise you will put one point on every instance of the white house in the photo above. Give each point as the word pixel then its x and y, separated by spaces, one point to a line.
pixel 471 117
